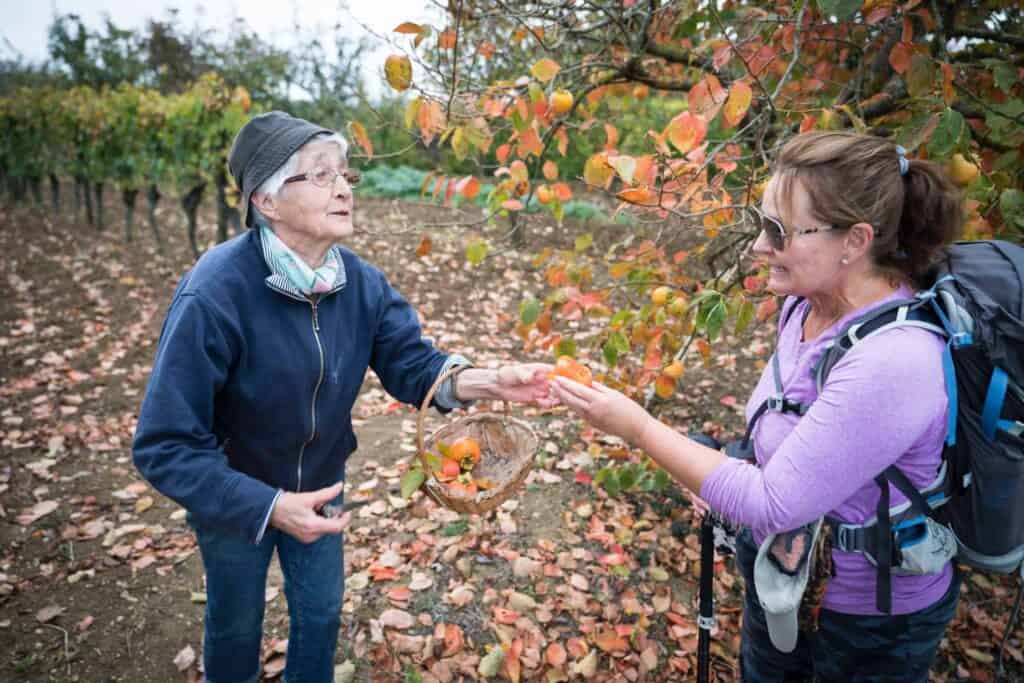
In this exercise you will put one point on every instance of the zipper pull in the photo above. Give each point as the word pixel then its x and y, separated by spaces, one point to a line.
pixel 316 319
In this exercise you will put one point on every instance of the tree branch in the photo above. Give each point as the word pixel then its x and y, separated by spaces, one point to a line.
pixel 985 34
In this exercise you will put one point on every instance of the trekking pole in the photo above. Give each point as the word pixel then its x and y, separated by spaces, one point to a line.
pixel 706 618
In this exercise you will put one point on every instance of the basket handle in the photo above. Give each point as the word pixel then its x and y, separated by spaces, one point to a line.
pixel 421 418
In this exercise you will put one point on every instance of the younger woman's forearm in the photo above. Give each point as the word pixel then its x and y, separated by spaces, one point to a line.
pixel 687 461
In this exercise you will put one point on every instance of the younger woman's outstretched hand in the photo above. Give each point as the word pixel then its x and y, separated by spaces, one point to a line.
pixel 604 408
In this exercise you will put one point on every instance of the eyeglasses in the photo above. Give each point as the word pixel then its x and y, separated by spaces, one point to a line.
pixel 323 176
pixel 775 231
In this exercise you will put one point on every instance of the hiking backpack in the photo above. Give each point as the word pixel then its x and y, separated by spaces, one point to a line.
pixel 975 301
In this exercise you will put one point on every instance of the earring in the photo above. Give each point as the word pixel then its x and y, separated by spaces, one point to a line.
pixel 845 261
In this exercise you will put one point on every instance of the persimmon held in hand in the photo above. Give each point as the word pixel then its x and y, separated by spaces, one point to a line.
pixel 466 452
pixel 570 368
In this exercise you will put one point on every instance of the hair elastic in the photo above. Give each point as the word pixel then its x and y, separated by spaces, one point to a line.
pixel 904 164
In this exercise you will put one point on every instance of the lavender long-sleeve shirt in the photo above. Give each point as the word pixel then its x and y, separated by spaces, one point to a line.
pixel 883 403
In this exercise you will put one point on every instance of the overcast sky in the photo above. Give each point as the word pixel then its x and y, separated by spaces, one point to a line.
pixel 26 21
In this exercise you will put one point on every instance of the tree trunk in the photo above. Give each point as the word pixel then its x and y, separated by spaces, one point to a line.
pixel 190 203
pixel 222 205
pixel 128 198
pixel 55 192
pixel 17 186
pixel 517 235
pixel 35 185
pixel 154 198
pixel 76 197
pixel 99 208
pixel 87 195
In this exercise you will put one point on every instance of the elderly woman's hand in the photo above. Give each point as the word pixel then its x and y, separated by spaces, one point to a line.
pixel 523 383
pixel 604 408
pixel 296 514
pixel 526 383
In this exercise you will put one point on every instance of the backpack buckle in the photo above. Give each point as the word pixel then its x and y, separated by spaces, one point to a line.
pixel 781 404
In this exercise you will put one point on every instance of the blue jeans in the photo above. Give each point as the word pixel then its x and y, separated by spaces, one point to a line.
pixel 847 647
pixel 236 580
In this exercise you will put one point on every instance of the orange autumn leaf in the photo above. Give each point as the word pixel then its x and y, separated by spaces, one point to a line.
pixel 359 133
pixel 608 639
pixel 562 191
pixel 639 195
pixel 740 96
pixel 453 641
pixel 686 131
pixel 468 187
pixel 707 97
pixel 425 247
pixel 550 170
pixel 446 40
pixel 555 654
pixel 399 594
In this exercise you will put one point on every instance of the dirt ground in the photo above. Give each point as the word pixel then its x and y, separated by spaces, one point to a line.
pixel 99 575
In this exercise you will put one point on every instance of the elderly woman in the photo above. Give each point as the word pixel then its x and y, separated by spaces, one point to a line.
pixel 246 421
pixel 848 223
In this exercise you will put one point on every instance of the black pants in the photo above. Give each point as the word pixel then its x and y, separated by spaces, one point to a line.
pixel 847 648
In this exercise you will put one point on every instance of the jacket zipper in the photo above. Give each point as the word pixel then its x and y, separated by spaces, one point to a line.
pixel 316 389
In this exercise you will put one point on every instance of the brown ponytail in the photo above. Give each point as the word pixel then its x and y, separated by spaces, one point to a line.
pixel 932 217
pixel 854 178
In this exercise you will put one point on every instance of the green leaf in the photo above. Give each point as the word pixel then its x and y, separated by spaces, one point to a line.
pixel 661 480
pixel 1005 77
pixel 584 241
pixel 621 570
pixel 620 341
pixel 456 528
pixel 565 347
pixel 1011 205
pixel 920 77
pixel 744 317
pixel 610 483
pixel 476 252
pixel 947 134
pixel 627 478
pixel 529 311
pixel 412 480
pixel 715 320
pixel 840 9
pixel 610 354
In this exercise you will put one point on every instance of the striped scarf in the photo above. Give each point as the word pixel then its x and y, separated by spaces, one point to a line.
pixel 284 261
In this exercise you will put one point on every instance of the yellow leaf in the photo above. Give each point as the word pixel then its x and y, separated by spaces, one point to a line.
pixel 740 96
pixel 411 111
pixel 398 71
pixel 625 166
pixel 359 133
pixel 597 172
pixel 545 69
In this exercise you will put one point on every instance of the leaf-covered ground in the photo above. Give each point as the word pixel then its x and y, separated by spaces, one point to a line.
pixel 99 575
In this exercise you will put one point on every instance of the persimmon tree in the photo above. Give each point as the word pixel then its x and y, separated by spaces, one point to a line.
pixel 515 88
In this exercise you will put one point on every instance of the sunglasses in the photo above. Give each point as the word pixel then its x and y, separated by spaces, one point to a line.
pixel 323 176
pixel 775 231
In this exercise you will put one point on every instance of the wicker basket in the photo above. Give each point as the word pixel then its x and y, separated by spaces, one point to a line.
pixel 507 448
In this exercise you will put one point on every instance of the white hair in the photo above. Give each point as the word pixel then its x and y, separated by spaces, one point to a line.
pixel 272 185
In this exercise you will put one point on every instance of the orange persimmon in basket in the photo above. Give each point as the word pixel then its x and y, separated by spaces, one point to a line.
pixel 450 470
pixel 570 368
pixel 466 452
